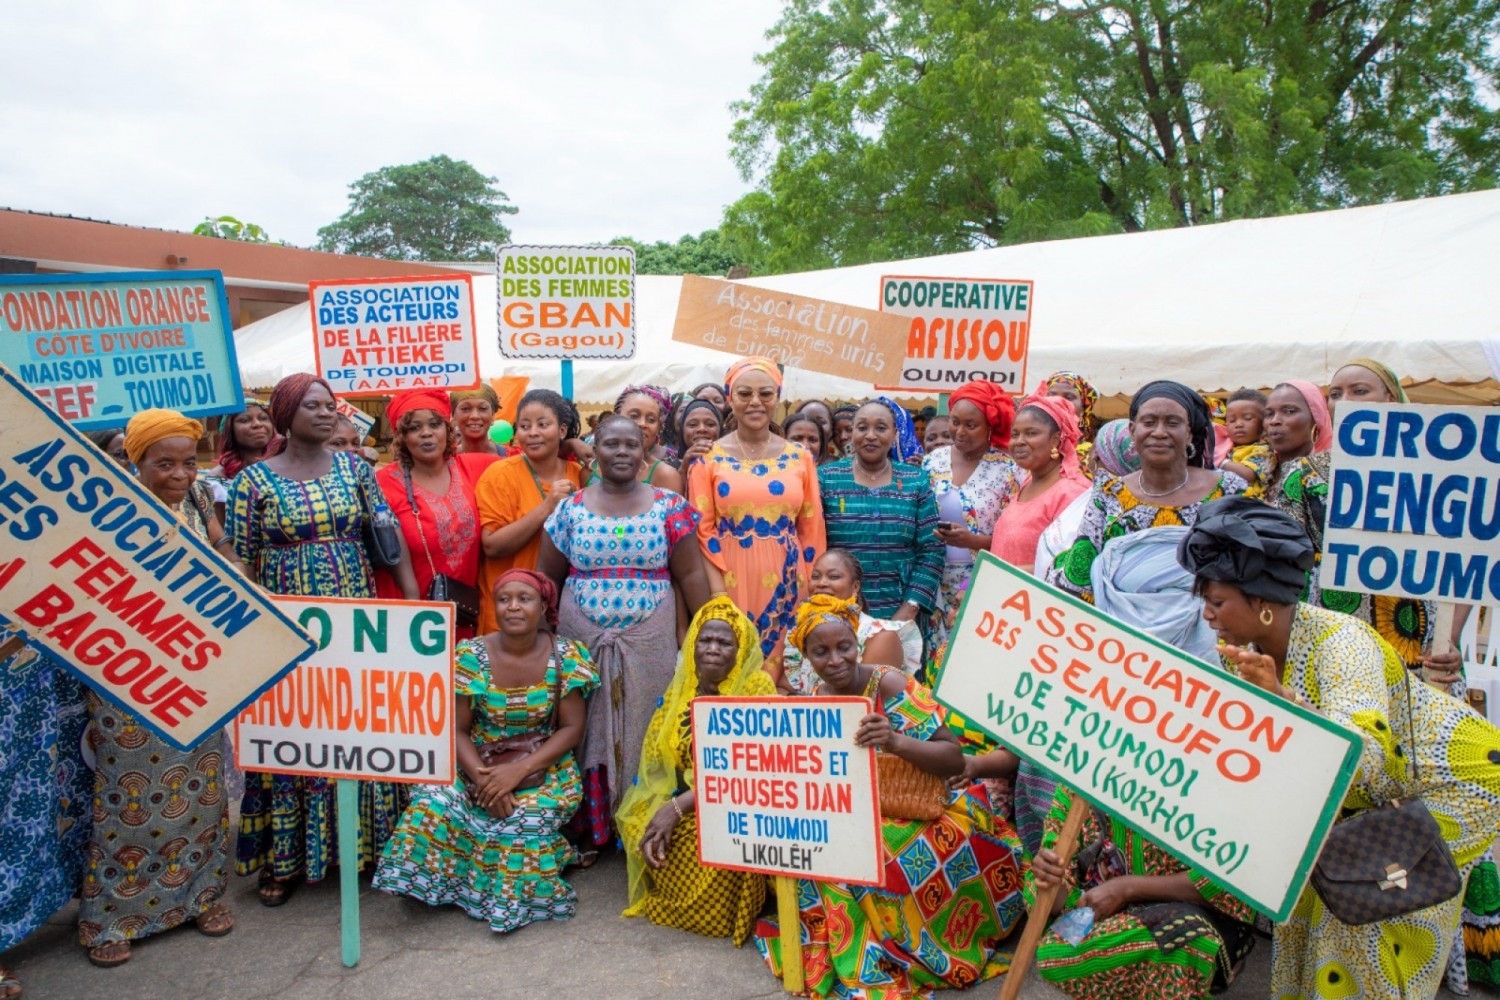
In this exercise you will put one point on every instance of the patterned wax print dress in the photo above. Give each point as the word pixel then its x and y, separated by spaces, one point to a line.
pixel 952 893
pixel 303 538
pixel 976 505
pixel 892 529
pixel 506 872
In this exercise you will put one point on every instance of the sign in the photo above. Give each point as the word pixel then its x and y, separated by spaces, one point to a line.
pixel 374 701
pixel 383 335
pixel 792 330
pixel 783 790
pixel 1414 502
pixel 1239 785
pixel 100 348
pixel 566 302
pixel 97 572
pixel 362 421
pixel 961 329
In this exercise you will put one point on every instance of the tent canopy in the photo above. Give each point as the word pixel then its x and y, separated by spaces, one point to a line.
pixel 1215 306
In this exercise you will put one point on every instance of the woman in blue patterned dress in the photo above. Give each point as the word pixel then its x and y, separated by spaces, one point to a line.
pixel 296 520
pixel 617 547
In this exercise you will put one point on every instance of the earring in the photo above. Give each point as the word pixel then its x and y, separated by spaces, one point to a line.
pixel 1315 435
pixel 1266 617
pixel 1192 450
pixel 1056 454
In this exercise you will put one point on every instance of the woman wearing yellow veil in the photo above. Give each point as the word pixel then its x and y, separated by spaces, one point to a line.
pixel 658 819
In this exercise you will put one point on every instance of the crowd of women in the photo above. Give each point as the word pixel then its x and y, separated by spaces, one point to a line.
pixel 715 543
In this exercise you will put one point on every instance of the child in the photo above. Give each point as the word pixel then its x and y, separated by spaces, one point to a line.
pixel 937 434
pixel 1251 458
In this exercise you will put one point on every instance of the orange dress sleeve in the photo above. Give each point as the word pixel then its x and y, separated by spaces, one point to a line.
pixel 701 486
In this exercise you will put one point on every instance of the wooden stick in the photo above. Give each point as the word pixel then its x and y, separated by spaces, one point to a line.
pixel 790 919
pixel 1036 920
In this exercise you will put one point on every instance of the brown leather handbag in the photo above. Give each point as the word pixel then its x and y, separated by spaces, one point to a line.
pixel 905 790
pixel 523 745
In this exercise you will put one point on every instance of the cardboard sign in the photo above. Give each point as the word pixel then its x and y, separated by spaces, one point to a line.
pixel 362 421
pixel 1240 786
pixel 1414 502
pixel 566 302
pixel 374 701
pixel 100 348
pixel 783 790
pixel 792 330
pixel 961 329
pixel 96 571
pixel 382 335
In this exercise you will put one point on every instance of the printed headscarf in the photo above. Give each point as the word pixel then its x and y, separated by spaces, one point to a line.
pixel 1318 407
pixel 1061 413
pixel 1387 377
pixel 753 363
pixel 1251 546
pixel 1083 387
pixel 543 585
pixel 661 396
pixel 230 461
pixel 994 402
pixel 485 392
pixel 1114 448
pixel 822 609
pixel 1200 424
pixel 412 400
pixel 905 447
pixel 150 426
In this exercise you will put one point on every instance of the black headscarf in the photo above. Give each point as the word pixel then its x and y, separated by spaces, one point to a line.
pixel 1252 546
pixel 689 407
pixel 1200 420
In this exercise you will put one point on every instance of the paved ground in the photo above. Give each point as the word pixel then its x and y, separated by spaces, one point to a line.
pixel 413 951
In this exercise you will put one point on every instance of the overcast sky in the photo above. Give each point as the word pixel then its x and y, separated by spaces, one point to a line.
pixel 597 119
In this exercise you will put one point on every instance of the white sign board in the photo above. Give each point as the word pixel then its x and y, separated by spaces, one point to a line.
pixel 565 302
pixel 783 790
pixel 1414 502
pixel 962 329
pixel 1239 785
pixel 374 701
pixel 96 571
pixel 375 336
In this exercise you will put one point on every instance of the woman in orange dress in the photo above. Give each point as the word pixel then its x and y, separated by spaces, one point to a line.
pixel 762 519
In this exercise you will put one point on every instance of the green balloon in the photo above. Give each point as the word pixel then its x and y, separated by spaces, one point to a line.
pixel 501 432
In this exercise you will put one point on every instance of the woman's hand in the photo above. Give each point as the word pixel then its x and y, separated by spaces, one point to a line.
pixel 875 731
pixel 696 452
pixel 906 613
pixel 658 836
pixel 558 491
pixel 1047 869
pixel 1257 668
pixel 964 778
pixel 959 536
pixel 1443 669
pixel 492 784
pixel 1109 898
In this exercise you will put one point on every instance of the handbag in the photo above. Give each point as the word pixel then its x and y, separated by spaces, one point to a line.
pixel 464 597
pixel 905 790
pixel 1388 861
pixel 514 748
pixel 382 535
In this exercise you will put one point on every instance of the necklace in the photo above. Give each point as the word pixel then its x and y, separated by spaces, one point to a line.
pixel 1141 479
pixel 746 451
pixel 880 473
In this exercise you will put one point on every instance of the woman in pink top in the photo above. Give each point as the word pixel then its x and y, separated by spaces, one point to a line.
pixel 1044 443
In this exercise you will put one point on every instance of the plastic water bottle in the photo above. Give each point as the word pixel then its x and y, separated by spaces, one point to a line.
pixel 382 514
pixel 1075 925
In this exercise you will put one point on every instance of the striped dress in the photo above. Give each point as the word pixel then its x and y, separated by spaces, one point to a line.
pixel 892 529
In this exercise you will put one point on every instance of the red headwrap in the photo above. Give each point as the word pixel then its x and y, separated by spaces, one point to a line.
pixel 1061 412
pixel 541 584
pixel 411 400
pixel 996 405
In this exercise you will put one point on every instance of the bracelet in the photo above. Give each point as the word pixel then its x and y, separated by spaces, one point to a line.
pixel 222 540
pixel 678 809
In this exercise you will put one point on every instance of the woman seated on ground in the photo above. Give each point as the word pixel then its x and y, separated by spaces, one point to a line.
pixel 1160 929
pixel 839 574
pixel 881 942
pixel 1251 564
pixel 491 843
pixel 658 819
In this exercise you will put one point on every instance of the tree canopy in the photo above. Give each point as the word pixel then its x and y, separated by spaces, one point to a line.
pixel 701 254
pixel 227 227
pixel 439 209
pixel 895 128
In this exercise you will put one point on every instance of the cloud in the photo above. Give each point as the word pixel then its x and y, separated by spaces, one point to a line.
pixel 597 119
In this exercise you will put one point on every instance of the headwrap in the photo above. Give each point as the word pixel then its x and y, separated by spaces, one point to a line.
pixel 1251 546
pixel 287 396
pixel 150 426
pixel 661 396
pixel 485 391
pixel 753 363
pixel 656 781
pixel 994 402
pixel 230 461
pixel 696 404
pixel 1083 387
pixel 906 446
pixel 412 400
pixel 821 609
pixel 1318 407
pixel 1386 376
pixel 1138 580
pixel 541 584
pixel 1061 413
pixel 1114 448
pixel 1200 425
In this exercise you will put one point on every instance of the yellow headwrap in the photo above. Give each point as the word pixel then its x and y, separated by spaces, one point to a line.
pixel 820 609
pixel 1387 377
pixel 657 779
pixel 753 363
pixel 150 426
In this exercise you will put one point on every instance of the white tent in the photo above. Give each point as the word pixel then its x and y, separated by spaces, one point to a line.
pixel 1214 306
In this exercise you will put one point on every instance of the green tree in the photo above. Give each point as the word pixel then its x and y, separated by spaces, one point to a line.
pixel 893 128
pixel 227 227
pixel 439 209
pixel 701 254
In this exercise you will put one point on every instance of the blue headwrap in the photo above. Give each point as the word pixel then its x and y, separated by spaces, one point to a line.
pixel 906 446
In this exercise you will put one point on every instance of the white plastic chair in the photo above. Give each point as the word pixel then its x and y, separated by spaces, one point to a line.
pixel 1482 669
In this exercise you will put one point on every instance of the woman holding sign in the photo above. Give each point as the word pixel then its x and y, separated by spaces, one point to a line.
pixel 952 884
pixel 658 817
pixel 1251 564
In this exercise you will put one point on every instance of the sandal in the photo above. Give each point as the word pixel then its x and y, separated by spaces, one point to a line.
pixel 586 860
pixel 10 986
pixel 216 921
pixel 110 954
pixel 274 891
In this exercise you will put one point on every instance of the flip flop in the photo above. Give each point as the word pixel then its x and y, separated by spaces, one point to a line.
pixel 279 891
pixel 10 986
pixel 586 860
pixel 99 954
pixel 216 917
